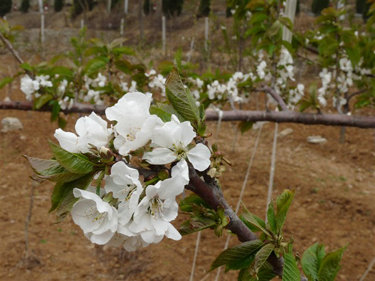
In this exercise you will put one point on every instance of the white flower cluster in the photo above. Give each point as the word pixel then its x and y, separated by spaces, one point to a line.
pixel 157 81
pixel 343 80
pixel 229 90
pixel 91 91
pixel 125 86
pixel 284 73
pixel 31 87
pixel 133 212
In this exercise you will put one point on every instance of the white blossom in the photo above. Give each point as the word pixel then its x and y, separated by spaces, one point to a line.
pixel 134 122
pixel 97 219
pixel 170 143
pixel 29 86
pixel 91 130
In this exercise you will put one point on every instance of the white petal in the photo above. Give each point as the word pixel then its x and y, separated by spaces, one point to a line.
pixel 172 233
pixel 187 133
pixel 199 157
pixel 160 156
pixel 67 140
pixel 181 170
pixel 101 239
pixel 151 237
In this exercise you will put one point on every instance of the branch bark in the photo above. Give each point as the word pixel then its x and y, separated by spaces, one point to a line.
pixel 274 95
pixel 10 48
pixel 231 115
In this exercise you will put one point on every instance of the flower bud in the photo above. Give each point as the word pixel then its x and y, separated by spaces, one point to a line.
pixel 105 154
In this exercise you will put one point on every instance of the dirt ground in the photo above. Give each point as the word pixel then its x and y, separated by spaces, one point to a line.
pixel 334 205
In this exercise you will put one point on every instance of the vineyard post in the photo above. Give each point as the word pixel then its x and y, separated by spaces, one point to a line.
pixel 206 34
pixel 122 27
pixel 41 11
pixel 109 4
pixel 164 35
pixel 126 7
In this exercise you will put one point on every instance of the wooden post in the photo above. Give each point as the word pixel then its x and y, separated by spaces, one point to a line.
pixel 290 11
pixel 126 6
pixel 109 4
pixel 122 27
pixel 41 11
pixel 82 23
pixel 206 33
pixel 164 35
pixel 140 19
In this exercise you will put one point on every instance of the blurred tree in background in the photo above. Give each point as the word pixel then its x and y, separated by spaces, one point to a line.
pixel 319 5
pixel 5 7
pixel 58 5
pixel 25 5
pixel 204 8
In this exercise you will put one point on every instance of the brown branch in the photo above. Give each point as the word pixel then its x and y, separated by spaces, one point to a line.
pixel 231 115
pixel 274 95
pixel 13 52
pixel 352 95
pixel 209 191
pixel 295 117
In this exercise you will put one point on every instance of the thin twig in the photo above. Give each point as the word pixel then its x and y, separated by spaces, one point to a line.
pixel 28 219
pixel 274 95
pixel 11 49
pixel 355 94
pixel 272 169
pixel 370 266
pixel 195 256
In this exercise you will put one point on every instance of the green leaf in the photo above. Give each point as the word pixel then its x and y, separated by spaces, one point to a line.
pixel 63 72
pixel 245 126
pixel 95 65
pixel 196 224
pixel 5 81
pixel 238 257
pixel 51 170
pixel 244 275
pixel 63 190
pixel 162 114
pixel 311 260
pixel 26 66
pixel 42 100
pixel 186 205
pixel 123 51
pixel 262 256
pixel 283 202
pixel 255 221
pixel 271 218
pixel 290 271
pixel 73 162
pixel 330 265
pixel 182 100
pixel 265 273
pixel 55 110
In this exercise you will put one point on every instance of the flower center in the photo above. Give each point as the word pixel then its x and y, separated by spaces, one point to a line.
pixel 155 207
pixel 180 151
pixel 93 214
pixel 131 135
